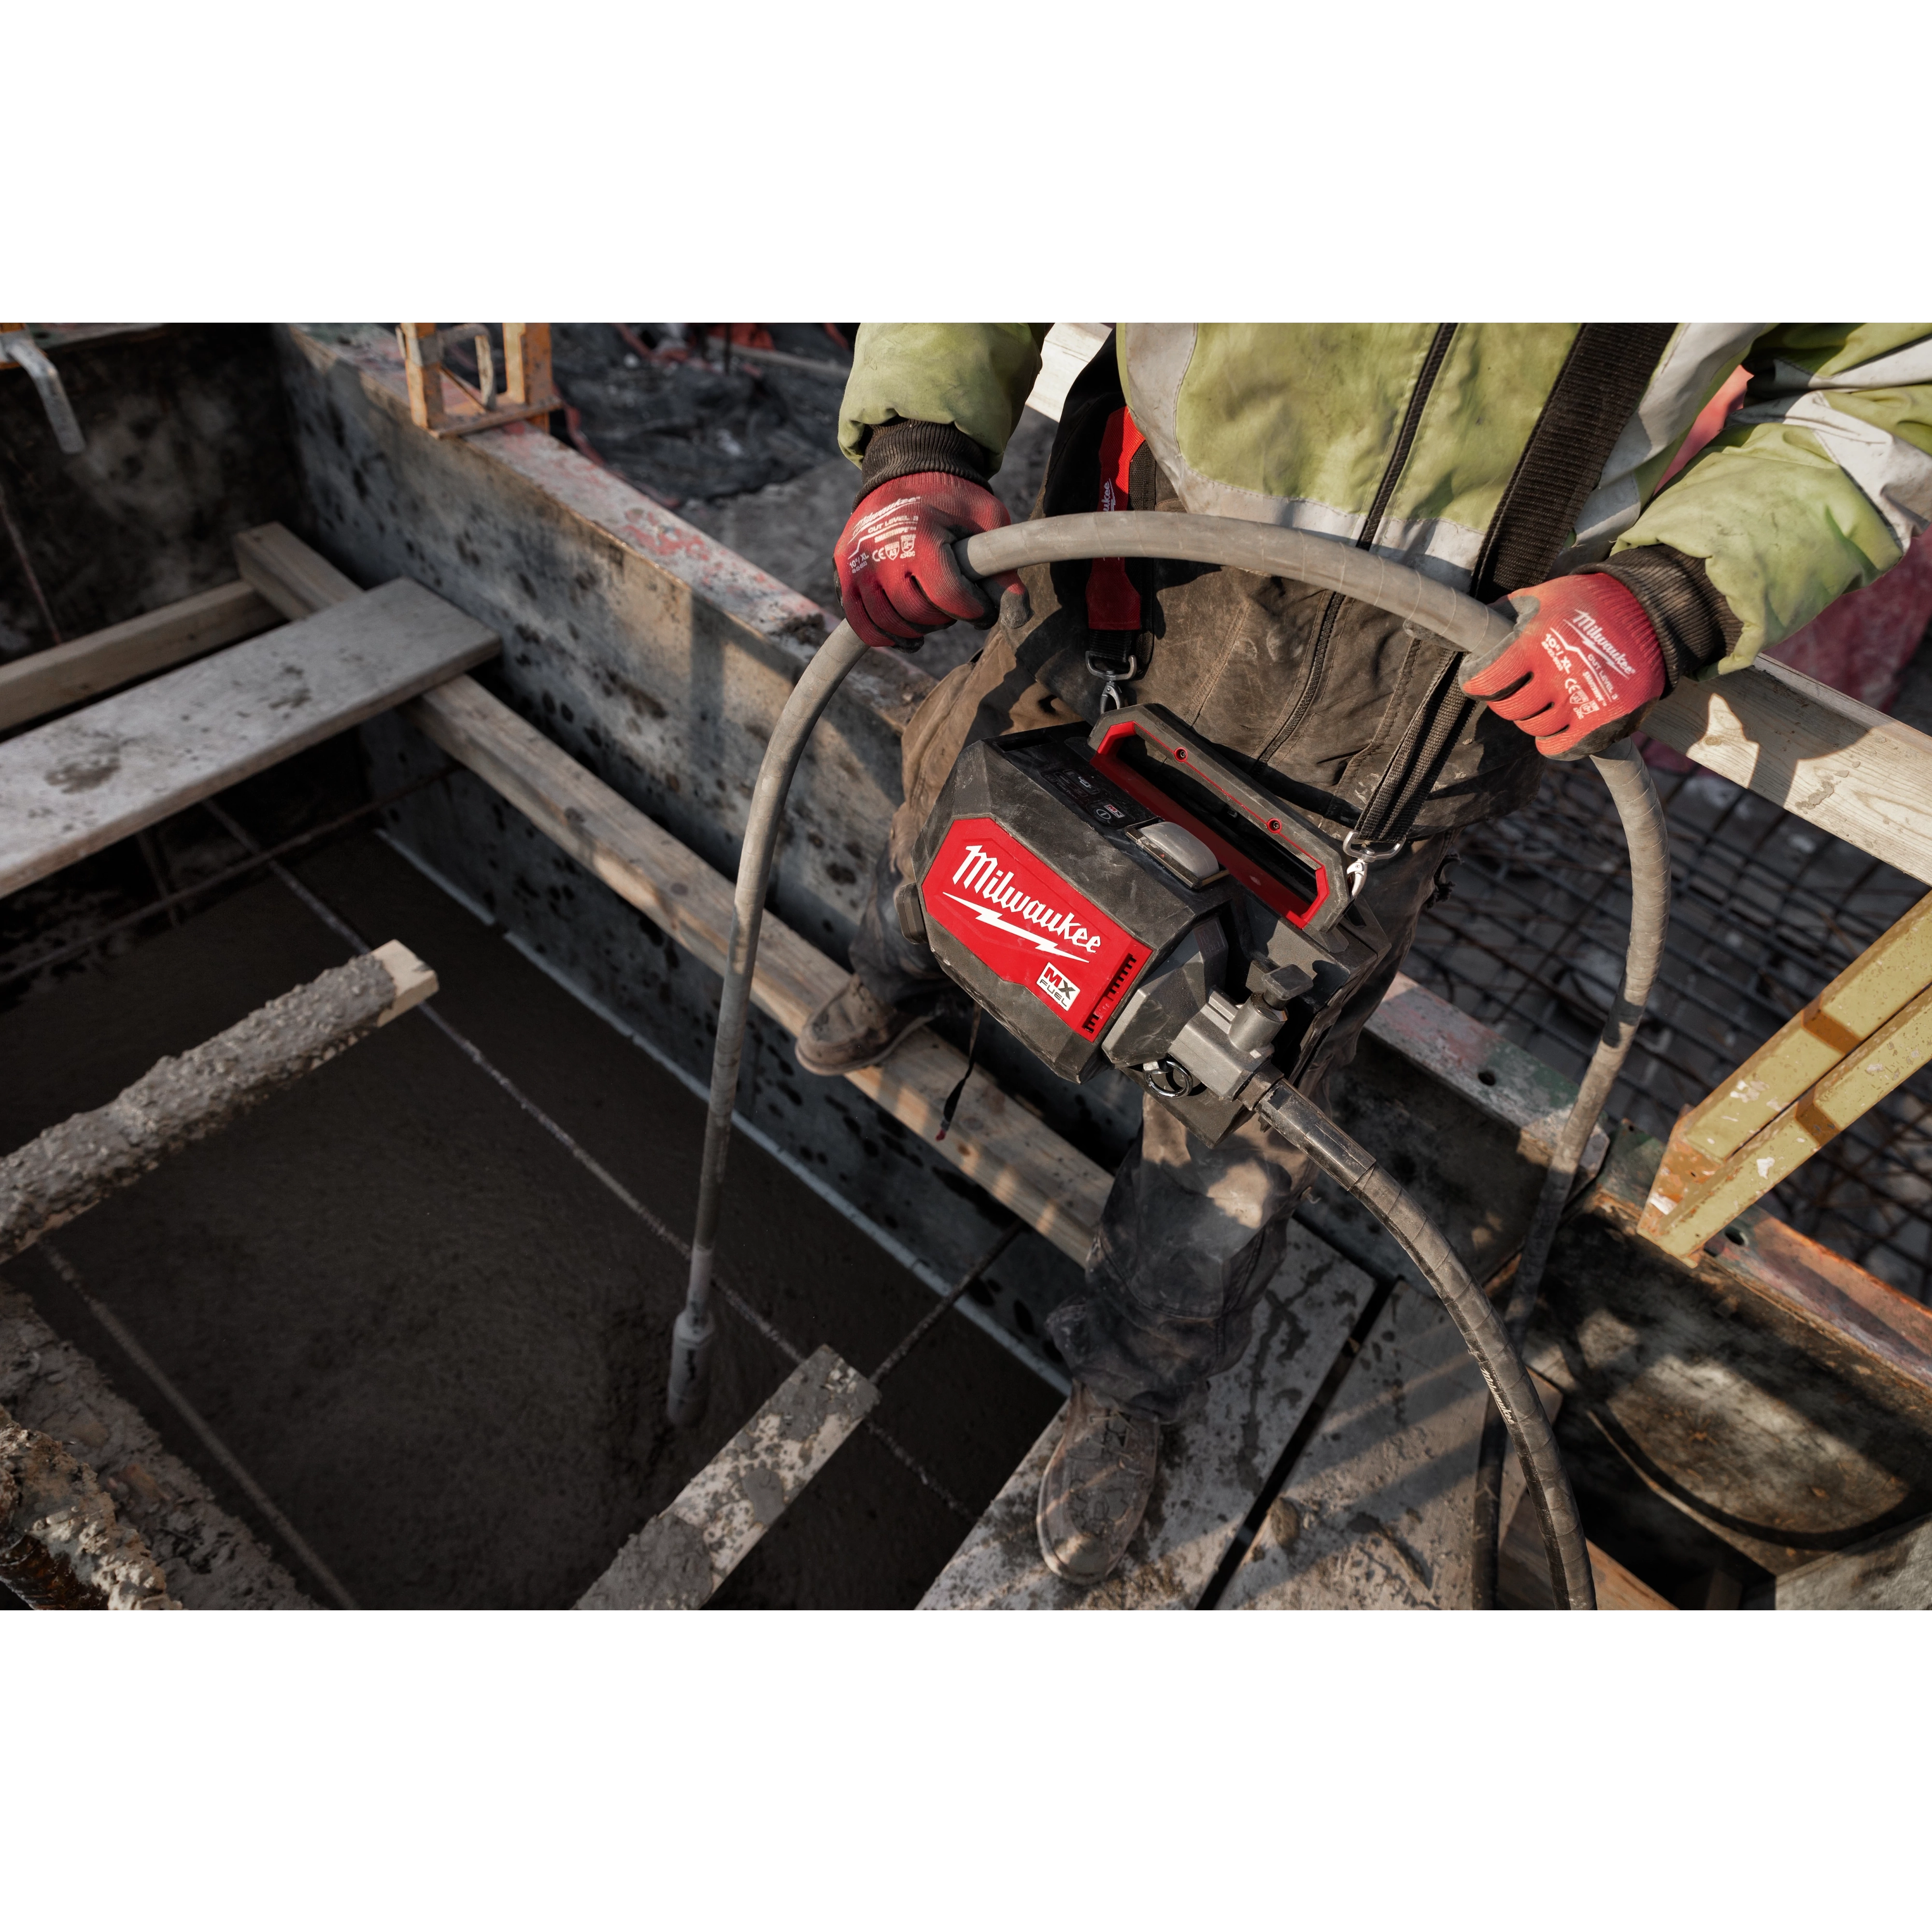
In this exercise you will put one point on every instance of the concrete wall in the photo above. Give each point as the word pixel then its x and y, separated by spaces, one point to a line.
pixel 188 441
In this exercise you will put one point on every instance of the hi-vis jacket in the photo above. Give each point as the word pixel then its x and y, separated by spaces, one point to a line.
pixel 1821 479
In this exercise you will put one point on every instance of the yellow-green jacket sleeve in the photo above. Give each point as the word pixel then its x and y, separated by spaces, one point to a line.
pixel 975 376
pixel 1820 481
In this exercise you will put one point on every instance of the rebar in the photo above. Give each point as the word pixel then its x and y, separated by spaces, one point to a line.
pixel 1766 910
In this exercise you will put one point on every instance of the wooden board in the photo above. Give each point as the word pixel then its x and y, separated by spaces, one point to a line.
pixel 1377 1514
pixel 1210 1471
pixel 678 1559
pixel 1857 774
pixel 211 1558
pixel 85 668
pixel 1891 1572
pixel 1021 1162
pixel 282 569
pixel 1523 1563
pixel 70 788
pixel 1018 1159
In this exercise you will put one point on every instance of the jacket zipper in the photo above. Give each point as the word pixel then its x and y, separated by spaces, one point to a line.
pixel 1318 657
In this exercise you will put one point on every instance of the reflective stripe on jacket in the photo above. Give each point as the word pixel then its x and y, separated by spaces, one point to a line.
pixel 1822 478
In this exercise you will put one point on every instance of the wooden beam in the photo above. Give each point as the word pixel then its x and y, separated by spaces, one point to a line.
pixel 1019 1160
pixel 1210 1468
pixel 1377 1514
pixel 678 1560
pixel 1770 1157
pixel 1890 1572
pixel 282 569
pixel 1851 771
pixel 185 1098
pixel 70 788
pixel 1522 1563
pixel 1866 1032
pixel 85 668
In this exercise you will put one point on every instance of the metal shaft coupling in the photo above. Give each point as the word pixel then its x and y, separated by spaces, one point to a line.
pixel 1225 1046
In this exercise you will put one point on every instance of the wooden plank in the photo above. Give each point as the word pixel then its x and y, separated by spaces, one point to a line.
pixel 185 1097
pixel 1851 1090
pixel 1017 1158
pixel 1891 1572
pixel 70 788
pixel 291 576
pixel 1856 773
pixel 677 1560
pixel 1724 1153
pixel 85 668
pixel 212 1559
pixel 1893 971
pixel 1021 1162
pixel 1523 1567
pixel 1377 1514
pixel 1210 1470
pixel 1769 1395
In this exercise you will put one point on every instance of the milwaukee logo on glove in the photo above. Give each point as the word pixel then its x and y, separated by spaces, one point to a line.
pixel 1025 923
pixel 887 534
pixel 1577 681
pixel 1582 637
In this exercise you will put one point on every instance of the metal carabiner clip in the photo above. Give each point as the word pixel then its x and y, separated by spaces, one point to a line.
pixel 1365 853
pixel 1110 695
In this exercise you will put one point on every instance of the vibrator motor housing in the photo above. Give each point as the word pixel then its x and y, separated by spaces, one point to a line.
pixel 1092 890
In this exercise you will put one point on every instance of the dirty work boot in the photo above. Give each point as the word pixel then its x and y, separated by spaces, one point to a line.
pixel 854 1028
pixel 1095 1489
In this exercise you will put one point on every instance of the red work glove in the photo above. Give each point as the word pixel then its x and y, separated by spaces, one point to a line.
pixel 896 573
pixel 1583 660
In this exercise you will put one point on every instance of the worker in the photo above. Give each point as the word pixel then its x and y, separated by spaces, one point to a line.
pixel 1519 461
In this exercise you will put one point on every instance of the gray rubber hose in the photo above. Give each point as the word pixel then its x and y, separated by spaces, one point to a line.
pixel 1649 839
pixel 1300 1121
pixel 692 1332
pixel 1329 563
pixel 1476 628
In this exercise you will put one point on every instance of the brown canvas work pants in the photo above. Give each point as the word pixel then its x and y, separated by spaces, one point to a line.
pixel 1190 1233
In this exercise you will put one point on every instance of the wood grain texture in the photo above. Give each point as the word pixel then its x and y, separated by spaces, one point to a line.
pixel 677 1560
pixel 292 576
pixel 1017 1158
pixel 1892 1572
pixel 1857 774
pixel 71 787
pixel 1210 1470
pixel 1023 1164
pixel 89 667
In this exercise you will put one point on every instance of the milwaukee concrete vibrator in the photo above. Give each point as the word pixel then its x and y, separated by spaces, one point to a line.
pixel 1124 896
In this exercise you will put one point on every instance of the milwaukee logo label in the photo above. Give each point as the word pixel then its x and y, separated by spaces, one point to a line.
pixel 992 895
pixel 995 893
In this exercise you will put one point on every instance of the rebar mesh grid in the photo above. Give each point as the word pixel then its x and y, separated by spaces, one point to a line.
pixel 1765 909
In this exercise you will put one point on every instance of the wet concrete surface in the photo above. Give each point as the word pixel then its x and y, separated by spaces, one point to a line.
pixel 434 1339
